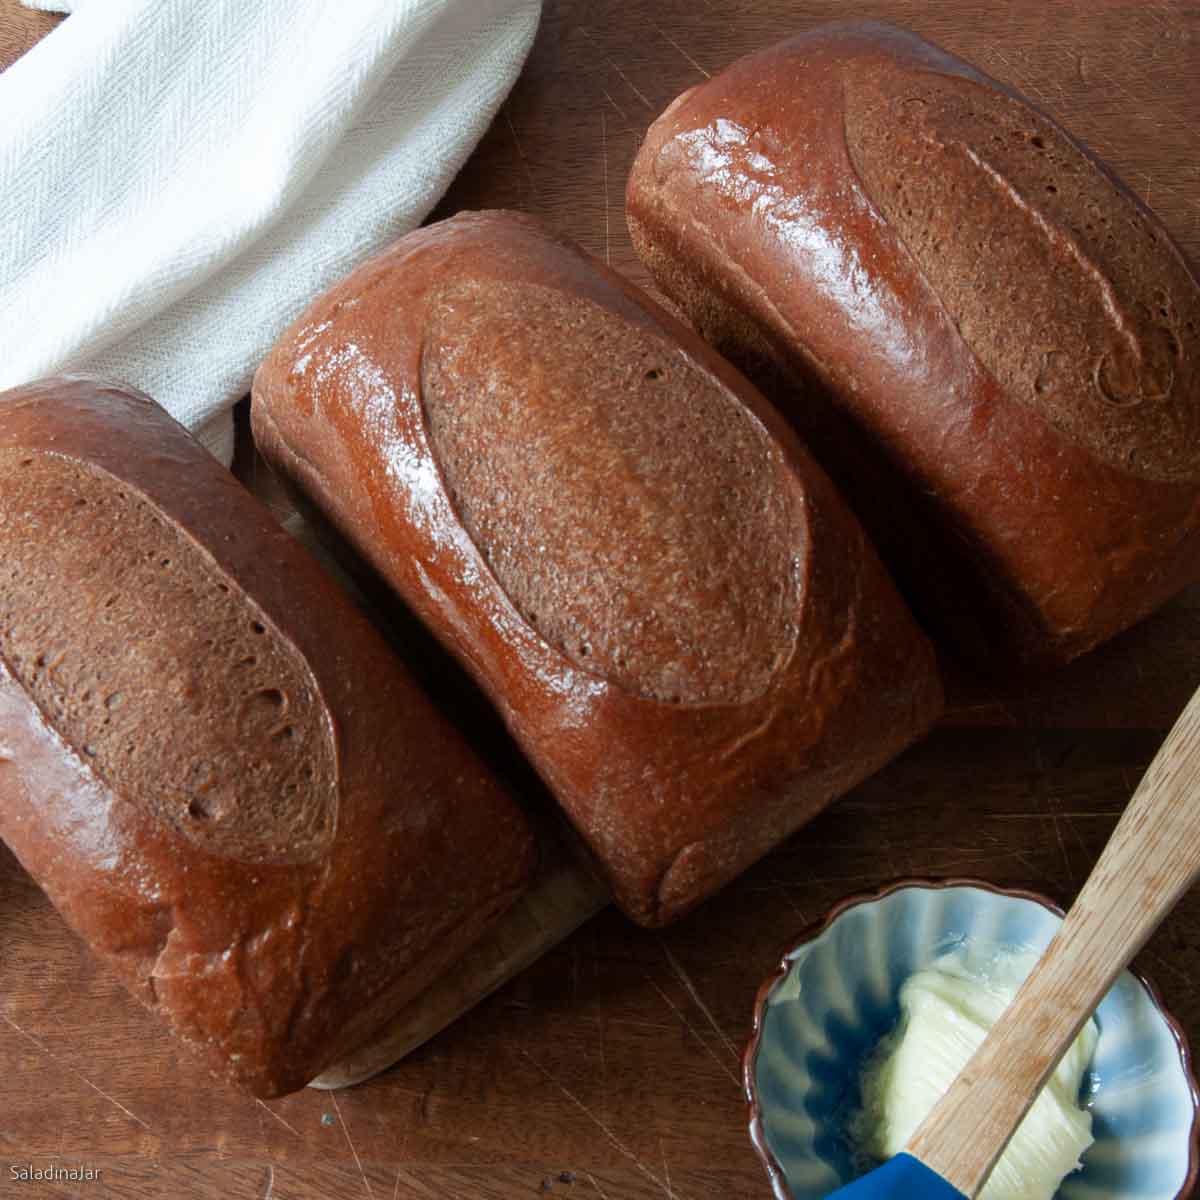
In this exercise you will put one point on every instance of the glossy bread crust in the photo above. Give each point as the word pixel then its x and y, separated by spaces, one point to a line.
pixel 211 762
pixel 678 618
pixel 989 342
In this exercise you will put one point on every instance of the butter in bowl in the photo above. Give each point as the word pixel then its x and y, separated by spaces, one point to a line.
pixel 821 1018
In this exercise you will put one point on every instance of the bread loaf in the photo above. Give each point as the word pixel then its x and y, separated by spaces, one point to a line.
pixel 216 769
pixel 990 343
pixel 676 615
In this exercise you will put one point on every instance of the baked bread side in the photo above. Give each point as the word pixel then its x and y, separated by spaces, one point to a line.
pixel 212 764
pixel 954 300
pixel 664 597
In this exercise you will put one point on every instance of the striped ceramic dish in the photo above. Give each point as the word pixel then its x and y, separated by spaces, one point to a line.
pixel 836 993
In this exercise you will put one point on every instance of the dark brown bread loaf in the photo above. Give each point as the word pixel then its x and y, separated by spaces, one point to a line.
pixel 988 340
pixel 677 616
pixel 216 769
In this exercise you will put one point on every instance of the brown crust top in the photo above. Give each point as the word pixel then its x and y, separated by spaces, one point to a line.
pixel 110 604
pixel 633 511
pixel 1064 286
pixel 673 798
pixel 272 952
pixel 845 299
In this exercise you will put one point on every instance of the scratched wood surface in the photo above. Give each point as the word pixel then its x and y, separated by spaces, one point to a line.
pixel 609 1068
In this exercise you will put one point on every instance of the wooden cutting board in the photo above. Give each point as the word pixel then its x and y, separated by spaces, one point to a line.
pixel 608 1067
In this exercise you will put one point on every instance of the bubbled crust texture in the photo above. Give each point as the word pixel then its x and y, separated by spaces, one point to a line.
pixel 694 599
pixel 680 621
pixel 955 301
pixel 102 597
pixel 208 759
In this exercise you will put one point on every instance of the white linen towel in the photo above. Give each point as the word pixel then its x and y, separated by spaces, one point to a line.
pixel 179 179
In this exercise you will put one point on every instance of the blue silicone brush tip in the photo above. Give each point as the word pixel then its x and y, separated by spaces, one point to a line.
pixel 900 1178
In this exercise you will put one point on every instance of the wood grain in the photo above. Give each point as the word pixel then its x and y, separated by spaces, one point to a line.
pixel 20 29
pixel 609 1068
pixel 1151 860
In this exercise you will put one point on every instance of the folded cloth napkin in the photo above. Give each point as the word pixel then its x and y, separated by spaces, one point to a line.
pixel 178 180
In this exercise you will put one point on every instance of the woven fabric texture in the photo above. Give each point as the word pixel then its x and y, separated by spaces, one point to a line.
pixel 178 180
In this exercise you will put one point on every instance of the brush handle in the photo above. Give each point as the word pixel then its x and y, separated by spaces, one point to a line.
pixel 1151 859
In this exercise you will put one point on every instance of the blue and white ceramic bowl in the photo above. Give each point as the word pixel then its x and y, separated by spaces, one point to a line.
pixel 836 993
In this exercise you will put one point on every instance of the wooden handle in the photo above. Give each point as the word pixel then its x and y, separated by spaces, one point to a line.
pixel 1151 859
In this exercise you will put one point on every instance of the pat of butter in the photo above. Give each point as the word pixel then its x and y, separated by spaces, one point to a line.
pixel 946 1012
